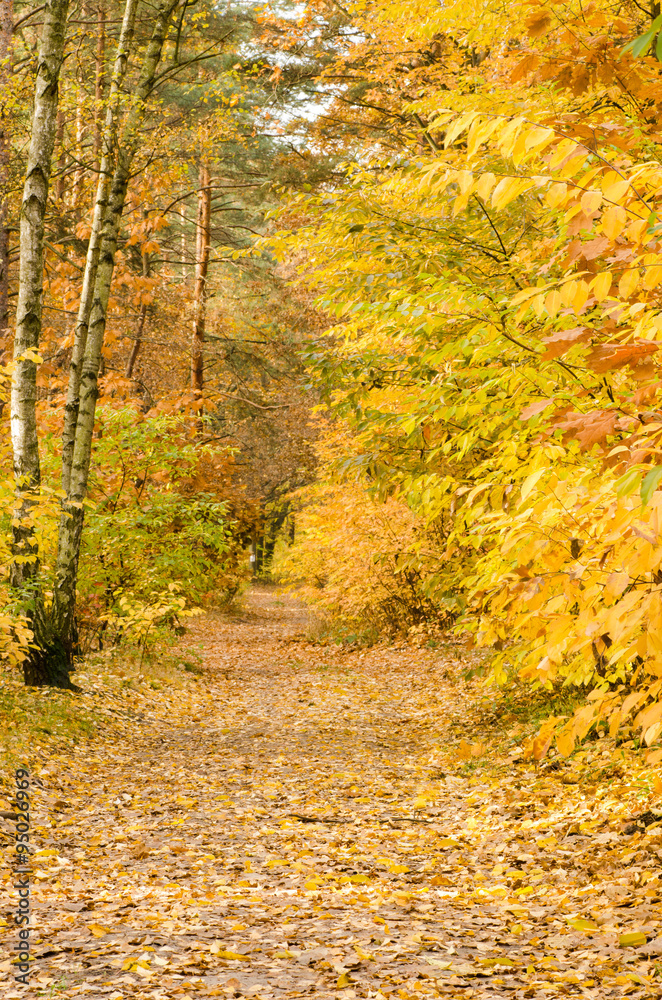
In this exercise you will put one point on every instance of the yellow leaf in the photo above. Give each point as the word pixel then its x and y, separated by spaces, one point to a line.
pixel 458 126
pixel 565 741
pixel 614 191
pixel 507 190
pixel 613 221
pixel 580 297
pixel 398 869
pixel 601 285
pixel 590 202
pixel 484 185
pixel 568 292
pixel 553 302
pixel 652 276
pixel 530 482
pixel 464 750
pixel 98 930
pixel 579 924
pixel 181 800
pixel 542 741
pixel 478 134
pixel 437 964
pixel 363 955
pixel 628 282
pixel 460 204
pixel 343 981
pixel 637 230
pixel 465 179
pixel 216 948
pixel 652 733
pixel 556 195
pixel 508 136
pixel 539 137
pixel 633 939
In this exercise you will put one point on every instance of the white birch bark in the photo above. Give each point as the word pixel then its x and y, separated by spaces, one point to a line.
pixel 6 30
pixel 28 314
pixel 108 155
pixel 202 244
pixel 71 523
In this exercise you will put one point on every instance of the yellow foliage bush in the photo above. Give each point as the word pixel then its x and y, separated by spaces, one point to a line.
pixel 497 298
pixel 355 555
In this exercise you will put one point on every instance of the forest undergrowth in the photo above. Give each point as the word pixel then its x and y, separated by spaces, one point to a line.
pixel 287 817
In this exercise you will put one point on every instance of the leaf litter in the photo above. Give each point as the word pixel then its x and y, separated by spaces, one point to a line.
pixel 311 820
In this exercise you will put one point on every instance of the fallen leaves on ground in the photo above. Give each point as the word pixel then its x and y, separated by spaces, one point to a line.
pixel 318 821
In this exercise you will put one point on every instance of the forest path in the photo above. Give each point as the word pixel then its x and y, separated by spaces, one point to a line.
pixel 315 831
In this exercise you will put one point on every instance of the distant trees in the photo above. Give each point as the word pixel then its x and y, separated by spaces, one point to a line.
pixel 156 144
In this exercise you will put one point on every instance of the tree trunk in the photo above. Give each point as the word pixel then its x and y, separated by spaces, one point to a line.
pixel 99 83
pixel 81 132
pixel 25 557
pixel 202 248
pixel 184 246
pixel 60 185
pixel 108 153
pixel 6 30
pixel 135 350
pixel 28 313
pixel 71 522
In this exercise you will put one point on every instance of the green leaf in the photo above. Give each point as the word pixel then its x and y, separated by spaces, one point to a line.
pixel 628 483
pixel 658 47
pixel 639 45
pixel 649 484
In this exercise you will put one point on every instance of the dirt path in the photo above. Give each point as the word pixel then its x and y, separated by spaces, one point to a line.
pixel 316 829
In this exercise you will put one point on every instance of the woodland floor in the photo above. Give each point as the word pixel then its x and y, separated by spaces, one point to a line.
pixel 307 820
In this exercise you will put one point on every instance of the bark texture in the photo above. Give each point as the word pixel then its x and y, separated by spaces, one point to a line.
pixel 202 248
pixel 106 167
pixel 71 522
pixel 6 29
pixel 28 313
pixel 99 83
pixel 45 664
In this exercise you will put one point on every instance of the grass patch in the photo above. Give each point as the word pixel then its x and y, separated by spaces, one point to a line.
pixel 34 717
pixel 327 632
pixel 530 707
pixel 116 685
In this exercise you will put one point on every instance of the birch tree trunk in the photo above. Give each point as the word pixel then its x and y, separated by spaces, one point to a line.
pixel 28 313
pixel 71 522
pixel 25 557
pixel 6 30
pixel 106 167
pixel 99 83
pixel 202 248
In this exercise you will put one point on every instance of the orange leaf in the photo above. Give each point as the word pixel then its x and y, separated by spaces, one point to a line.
pixel 543 740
